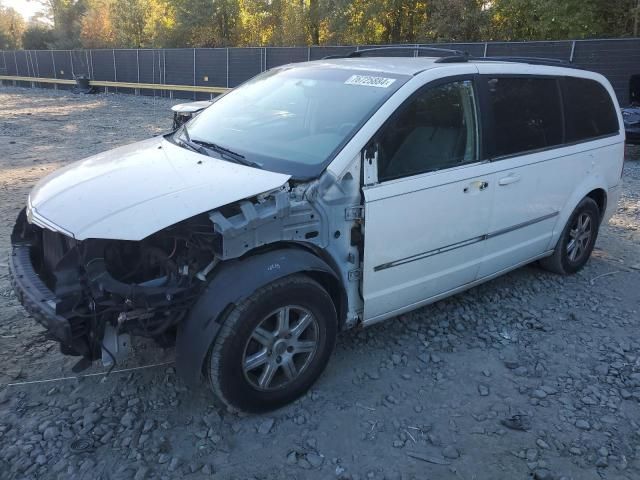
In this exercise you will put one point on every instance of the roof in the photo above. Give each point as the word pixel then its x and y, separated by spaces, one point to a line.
pixel 414 65
pixel 399 65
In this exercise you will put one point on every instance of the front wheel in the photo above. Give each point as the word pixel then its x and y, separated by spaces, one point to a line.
pixel 273 346
pixel 577 240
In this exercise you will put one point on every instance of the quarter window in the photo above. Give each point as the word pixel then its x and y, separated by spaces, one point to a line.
pixel 527 114
pixel 589 110
pixel 435 129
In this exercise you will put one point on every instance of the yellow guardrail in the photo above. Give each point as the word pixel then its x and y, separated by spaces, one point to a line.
pixel 140 86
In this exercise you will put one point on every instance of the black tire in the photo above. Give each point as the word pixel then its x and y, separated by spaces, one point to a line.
pixel 227 355
pixel 561 262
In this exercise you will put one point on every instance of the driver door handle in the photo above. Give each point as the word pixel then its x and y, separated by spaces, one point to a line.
pixel 509 179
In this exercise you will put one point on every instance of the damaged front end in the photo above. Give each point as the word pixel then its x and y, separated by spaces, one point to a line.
pixel 91 294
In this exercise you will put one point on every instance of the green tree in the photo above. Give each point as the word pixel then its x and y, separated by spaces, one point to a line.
pixel 37 36
pixel 66 17
pixel 11 28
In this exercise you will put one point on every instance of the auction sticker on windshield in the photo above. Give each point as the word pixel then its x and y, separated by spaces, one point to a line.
pixel 369 81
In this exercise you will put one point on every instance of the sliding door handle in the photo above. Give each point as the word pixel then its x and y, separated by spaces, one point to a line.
pixel 509 179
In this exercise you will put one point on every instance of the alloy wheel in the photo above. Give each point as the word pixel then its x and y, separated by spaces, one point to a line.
pixel 579 237
pixel 280 348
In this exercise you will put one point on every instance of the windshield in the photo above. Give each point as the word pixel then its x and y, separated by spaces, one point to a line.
pixel 294 120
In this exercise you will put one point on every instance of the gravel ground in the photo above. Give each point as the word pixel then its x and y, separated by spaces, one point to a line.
pixel 529 376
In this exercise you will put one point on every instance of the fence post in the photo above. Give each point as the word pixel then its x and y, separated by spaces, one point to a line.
pixel 573 51
pixel 164 70
pixel 137 90
pixel 91 74
pixel 37 66
pixel 115 70
pixel 486 46
pixel 227 67
pixel 73 75
pixel 55 71
pixel 308 54
pixel 194 73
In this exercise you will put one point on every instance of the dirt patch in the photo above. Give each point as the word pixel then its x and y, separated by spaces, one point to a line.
pixel 531 375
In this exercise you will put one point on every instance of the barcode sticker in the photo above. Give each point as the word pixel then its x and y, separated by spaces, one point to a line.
pixel 369 81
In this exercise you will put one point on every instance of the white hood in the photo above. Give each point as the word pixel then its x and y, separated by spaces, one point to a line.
pixel 134 191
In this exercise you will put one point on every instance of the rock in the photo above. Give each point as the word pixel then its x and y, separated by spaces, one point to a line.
pixel 450 452
pixel 207 469
pixel 542 444
pixel 511 364
pixel 602 462
pixel 127 420
pixel 212 419
pixel 542 474
pixel 314 459
pixel 41 459
pixel 396 359
pixel 174 464
pixel 59 466
pixel 163 458
pixel 87 465
pixel 265 427
pixel 50 433
pixel 531 454
pixel 539 393
pixel 141 473
pixel 424 357
pixel 292 458
pixel 583 424
pixel 148 425
pixel 483 390
pixel 398 444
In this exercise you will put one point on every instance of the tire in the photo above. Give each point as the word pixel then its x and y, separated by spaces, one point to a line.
pixel 567 260
pixel 286 360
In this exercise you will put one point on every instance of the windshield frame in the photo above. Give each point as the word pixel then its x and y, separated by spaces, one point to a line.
pixel 303 171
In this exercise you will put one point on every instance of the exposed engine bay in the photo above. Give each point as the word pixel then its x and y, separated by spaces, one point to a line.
pixel 141 288
pixel 93 294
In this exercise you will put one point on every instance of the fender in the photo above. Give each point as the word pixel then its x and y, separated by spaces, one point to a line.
pixel 234 281
pixel 592 182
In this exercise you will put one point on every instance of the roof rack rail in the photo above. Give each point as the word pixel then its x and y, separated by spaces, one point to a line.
pixel 445 52
pixel 554 62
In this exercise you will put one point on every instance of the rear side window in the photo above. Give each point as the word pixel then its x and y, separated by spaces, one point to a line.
pixel 527 114
pixel 589 110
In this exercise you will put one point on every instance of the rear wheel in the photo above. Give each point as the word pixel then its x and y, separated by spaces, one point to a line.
pixel 577 240
pixel 273 345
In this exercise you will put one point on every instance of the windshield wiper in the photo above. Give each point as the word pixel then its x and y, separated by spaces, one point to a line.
pixel 234 156
pixel 185 139
pixel 203 147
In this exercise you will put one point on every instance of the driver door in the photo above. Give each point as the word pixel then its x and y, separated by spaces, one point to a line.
pixel 427 214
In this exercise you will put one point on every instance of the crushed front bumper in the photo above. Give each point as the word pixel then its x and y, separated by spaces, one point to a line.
pixel 35 296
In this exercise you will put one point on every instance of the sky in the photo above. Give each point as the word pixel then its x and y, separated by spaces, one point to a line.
pixel 23 7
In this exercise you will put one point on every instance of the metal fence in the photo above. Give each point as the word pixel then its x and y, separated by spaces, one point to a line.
pixel 617 59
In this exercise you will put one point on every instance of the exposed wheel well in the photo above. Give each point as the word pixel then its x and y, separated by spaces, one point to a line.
pixel 335 291
pixel 600 197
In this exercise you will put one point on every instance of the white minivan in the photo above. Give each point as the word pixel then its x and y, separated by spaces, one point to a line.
pixel 314 198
